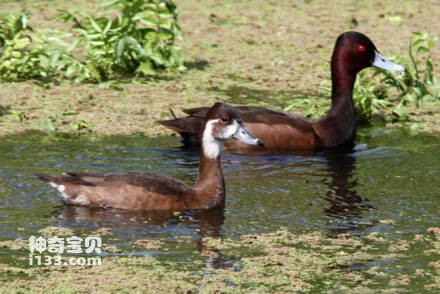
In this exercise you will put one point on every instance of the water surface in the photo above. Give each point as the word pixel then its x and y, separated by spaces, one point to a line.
pixel 388 184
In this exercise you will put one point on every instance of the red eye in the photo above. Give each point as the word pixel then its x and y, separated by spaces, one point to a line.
pixel 361 48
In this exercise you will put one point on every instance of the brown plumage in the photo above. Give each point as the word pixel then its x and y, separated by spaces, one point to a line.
pixel 149 191
pixel 283 131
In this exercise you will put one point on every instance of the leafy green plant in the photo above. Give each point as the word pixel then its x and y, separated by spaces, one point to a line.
pixel 140 40
pixel 16 57
pixel 418 83
pixel 310 108
pixel 12 25
pixel 26 54
pixel 368 98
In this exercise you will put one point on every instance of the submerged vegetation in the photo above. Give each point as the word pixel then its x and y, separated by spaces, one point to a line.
pixel 267 263
pixel 140 40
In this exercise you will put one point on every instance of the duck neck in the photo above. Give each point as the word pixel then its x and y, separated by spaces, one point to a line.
pixel 342 90
pixel 209 189
pixel 338 127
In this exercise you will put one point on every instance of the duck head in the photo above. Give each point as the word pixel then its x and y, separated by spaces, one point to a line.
pixel 222 123
pixel 354 51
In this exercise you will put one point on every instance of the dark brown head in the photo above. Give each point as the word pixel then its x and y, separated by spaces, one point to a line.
pixel 223 112
pixel 354 51
pixel 223 122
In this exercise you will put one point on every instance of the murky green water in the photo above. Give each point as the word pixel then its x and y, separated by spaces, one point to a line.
pixel 389 184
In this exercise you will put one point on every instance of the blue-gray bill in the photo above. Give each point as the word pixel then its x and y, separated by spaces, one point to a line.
pixel 243 135
pixel 382 62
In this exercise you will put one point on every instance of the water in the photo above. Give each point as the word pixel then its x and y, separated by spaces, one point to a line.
pixel 391 175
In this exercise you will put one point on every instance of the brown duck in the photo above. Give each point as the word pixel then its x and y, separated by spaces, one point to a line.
pixel 283 131
pixel 149 191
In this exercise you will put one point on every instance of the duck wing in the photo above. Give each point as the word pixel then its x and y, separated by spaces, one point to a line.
pixel 152 182
pixel 190 127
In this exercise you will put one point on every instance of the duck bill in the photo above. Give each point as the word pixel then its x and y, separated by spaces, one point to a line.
pixel 243 135
pixel 382 62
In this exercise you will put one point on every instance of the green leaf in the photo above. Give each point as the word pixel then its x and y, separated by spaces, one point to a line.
pixel 112 84
pixel 165 34
pixel 165 23
pixel 47 124
pixel 428 97
pixel 24 20
pixel 97 43
pixel 95 24
pixel 112 4
pixel 120 45
pixel 20 43
pixel 147 69
pixel 44 61
pixel 149 22
pixel 69 112
pixel 401 114
pixel 107 27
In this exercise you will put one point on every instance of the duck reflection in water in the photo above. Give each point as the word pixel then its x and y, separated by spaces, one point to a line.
pixel 346 205
pixel 129 226
pixel 336 169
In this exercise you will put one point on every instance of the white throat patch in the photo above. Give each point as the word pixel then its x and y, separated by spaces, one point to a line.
pixel 213 143
pixel 211 146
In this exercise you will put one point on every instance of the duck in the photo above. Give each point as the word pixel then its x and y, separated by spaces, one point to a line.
pixel 151 191
pixel 285 132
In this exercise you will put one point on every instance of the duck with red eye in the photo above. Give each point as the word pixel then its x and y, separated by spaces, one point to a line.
pixel 363 54
pixel 286 133
pixel 149 191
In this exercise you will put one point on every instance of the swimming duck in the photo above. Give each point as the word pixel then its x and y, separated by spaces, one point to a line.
pixel 149 191
pixel 283 131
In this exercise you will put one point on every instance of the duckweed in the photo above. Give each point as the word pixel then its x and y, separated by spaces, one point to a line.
pixel 272 262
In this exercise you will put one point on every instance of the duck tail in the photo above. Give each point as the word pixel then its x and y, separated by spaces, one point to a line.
pixel 172 124
pixel 189 128
pixel 173 113
pixel 48 178
pixel 69 178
